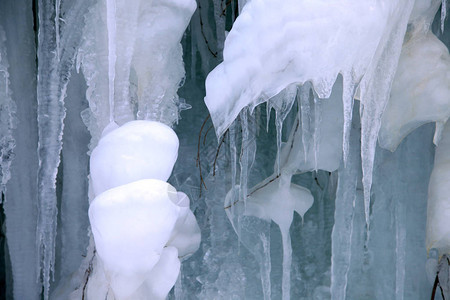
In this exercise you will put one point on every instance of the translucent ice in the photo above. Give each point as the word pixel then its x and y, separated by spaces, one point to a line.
pixel 136 150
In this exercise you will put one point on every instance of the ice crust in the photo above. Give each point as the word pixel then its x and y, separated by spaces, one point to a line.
pixel 136 150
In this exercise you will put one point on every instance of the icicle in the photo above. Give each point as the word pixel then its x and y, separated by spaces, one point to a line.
pixel 287 261
pixel 74 202
pixel 443 14
pixel 341 236
pixel 375 89
pixel 233 153
pixel 279 128
pixel 400 249
pixel 57 28
pixel 244 159
pixel 111 27
pixel 348 93
pixel 20 205
pixel 7 117
pixel 317 121
pixel 305 116
pixel 266 267
pixel 53 75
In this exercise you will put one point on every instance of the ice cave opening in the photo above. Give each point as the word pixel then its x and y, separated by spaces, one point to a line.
pixel 214 149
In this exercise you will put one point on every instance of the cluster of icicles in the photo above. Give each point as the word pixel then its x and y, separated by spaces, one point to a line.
pixel 385 55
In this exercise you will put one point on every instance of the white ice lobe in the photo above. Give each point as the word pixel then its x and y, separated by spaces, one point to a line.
pixel 131 247
pixel 134 151
pixel 438 210
pixel 141 225
pixel 420 88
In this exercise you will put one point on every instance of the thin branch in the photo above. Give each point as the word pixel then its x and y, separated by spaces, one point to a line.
pixel 225 9
pixel 198 162
pixel 217 152
pixel 203 32
pixel 206 134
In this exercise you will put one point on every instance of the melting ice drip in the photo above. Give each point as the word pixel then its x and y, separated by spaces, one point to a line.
pixel 141 225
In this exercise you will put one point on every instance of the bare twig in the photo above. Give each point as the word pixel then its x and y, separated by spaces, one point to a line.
pixel 203 32
pixel 217 152
pixel 87 273
pixel 225 9
pixel 198 162
pixel 206 134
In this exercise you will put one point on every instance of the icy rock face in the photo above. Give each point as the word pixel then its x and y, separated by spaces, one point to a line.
pixel 136 150
pixel 140 254
pixel 420 88
pixel 438 210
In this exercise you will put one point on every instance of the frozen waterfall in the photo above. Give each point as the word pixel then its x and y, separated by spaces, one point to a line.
pixel 214 149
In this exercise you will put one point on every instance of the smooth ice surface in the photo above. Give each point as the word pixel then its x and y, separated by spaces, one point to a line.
pixel 420 88
pixel 322 150
pixel 136 150
pixel 438 212
pixel 158 57
pixel 131 225
pixel 162 277
pixel 186 233
pixel 305 41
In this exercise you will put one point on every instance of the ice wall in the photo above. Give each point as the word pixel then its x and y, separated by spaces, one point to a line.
pixel 312 137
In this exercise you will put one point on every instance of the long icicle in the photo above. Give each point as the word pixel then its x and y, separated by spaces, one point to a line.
pixel 111 25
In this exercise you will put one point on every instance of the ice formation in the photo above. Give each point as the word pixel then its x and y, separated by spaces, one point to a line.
pixel 102 78
pixel 136 150
pixel 139 252
pixel 438 212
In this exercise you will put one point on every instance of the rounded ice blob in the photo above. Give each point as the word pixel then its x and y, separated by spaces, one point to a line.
pixel 132 223
pixel 136 150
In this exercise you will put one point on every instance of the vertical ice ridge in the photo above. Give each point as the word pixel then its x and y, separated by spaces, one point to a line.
pixel 342 233
pixel 287 262
pixel 317 121
pixel 244 159
pixel 53 76
pixel 443 14
pixel 305 109
pixel 400 249
pixel 7 116
pixel 16 18
pixel 347 101
pixel 111 27
pixel 375 89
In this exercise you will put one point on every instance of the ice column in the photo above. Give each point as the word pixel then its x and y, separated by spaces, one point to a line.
pixel 140 254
